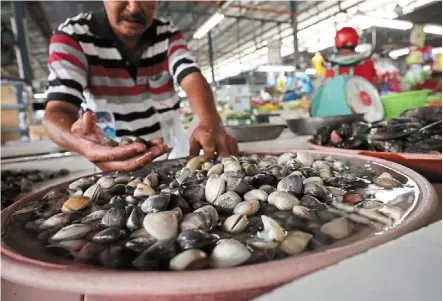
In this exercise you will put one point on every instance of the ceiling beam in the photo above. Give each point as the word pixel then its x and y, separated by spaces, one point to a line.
pixel 35 11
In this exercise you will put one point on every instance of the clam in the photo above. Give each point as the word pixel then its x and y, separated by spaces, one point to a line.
pixel 250 169
pixel 156 203
pixel 81 184
pixel 303 212
pixel 238 185
pixel 236 223
pixel 89 193
pixel 157 256
pixel 228 253
pixel 117 201
pixel 256 194
pixel 109 236
pixel 217 169
pixel 247 208
pixel 386 180
pixel 210 212
pixel 194 220
pixel 264 179
pixel 74 231
pixel 143 190
pixel 308 172
pixel 132 200
pixel 188 260
pixel 161 225
pixel 335 191
pixel 195 163
pixel 34 225
pixel 339 166
pixel 312 203
pixel 125 141
pixel 320 164
pixel 317 180
pixel 267 188
pixel 305 159
pixel 285 158
pixel 57 220
pixel 106 182
pixel 75 203
pixel 231 167
pixel 370 204
pixel 283 200
pixel 352 198
pixel 133 183
pixel 295 242
pixel 140 244
pixel 374 215
pixel 119 189
pixel 122 180
pixel 94 216
pixel 115 257
pixel 207 166
pixel 287 220
pixel 177 212
pixel 193 193
pixel 277 171
pixel 196 239
pixel 262 244
pixel 89 251
pixel 139 233
pixel 316 190
pixel 338 228
pixel 293 165
pixel 215 187
pixel 292 184
pixel 114 217
pixel 71 246
pixel 392 212
pixel 227 201
pixel 272 231
pixel 325 174
pixel 103 197
pixel 135 220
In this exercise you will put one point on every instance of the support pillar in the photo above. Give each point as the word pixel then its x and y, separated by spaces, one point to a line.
pixel 211 57
pixel 293 9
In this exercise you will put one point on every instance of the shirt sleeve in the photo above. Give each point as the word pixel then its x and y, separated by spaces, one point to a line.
pixel 67 70
pixel 180 60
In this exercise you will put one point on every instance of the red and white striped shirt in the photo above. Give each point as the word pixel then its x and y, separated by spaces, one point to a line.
pixel 86 64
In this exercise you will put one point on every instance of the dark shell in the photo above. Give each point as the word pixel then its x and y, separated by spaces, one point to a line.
pixel 263 179
pixel 309 172
pixel 115 217
pixel 109 236
pixel 89 252
pixel 317 191
pixel 288 221
pixel 117 201
pixel 103 198
pixel 156 203
pixel 325 216
pixel 267 209
pixel 312 202
pixel 276 170
pixel 238 185
pixel 118 189
pixel 227 201
pixel 157 256
pixel 318 240
pixel 135 220
pixel 193 193
pixel 129 190
pixel 196 239
pixel 268 189
pixel 292 184
pixel 293 165
pixel 130 199
pixel 116 257
pixel 140 244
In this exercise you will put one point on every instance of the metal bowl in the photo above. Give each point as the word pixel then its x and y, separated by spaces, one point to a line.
pixel 309 126
pixel 256 132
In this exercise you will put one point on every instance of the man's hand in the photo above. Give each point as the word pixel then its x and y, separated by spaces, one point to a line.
pixel 107 158
pixel 212 138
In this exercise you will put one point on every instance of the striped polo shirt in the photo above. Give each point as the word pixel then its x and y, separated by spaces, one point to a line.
pixel 86 64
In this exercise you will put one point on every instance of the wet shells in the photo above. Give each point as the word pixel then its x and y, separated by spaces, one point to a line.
pixel 338 228
pixel 303 212
pixel 122 180
pixel 140 233
pixel 312 203
pixel 267 188
pixel 305 159
pixel 114 217
pixel 207 166
pixel 115 257
pixel 215 187
pixel 370 204
pixel 227 201
pixel 177 212
pixel 292 184
pixel 250 169
pixel 140 244
pixel 352 198
pixel 106 182
pixel 285 158
pixel 157 256
pixel 316 190
pixel 193 193
pixel 211 212
pixel 336 191
pixel 217 169
pixel 238 185
pixel 195 163
pixel 34 225
pixel 103 197
pixel 283 200
pixel 58 220
pixel 75 203
pixel 117 201
pixel 118 189
pixel 247 208
pixel 256 194
pixel 319 165
pixel 276 170
pixel 89 193
pixel 74 231
pixel 134 183
pixel 295 242
pixel 71 246
pixel 132 200
pixel 261 244
pixel 143 190
pixel 81 184
pixel 272 231
pixel 236 223
pixel 89 251
pixel 325 174
pixel 156 203
pixel 194 220
pixel 293 165
pixel 386 180
pixel 228 253
pixel 317 180
pixel 135 220
pixel 161 225
pixel 109 236
pixel 151 180
pixel 188 260
pixel 94 216
pixel 392 212
pixel 339 166
pixel 263 179
pixel 308 172
pixel 196 239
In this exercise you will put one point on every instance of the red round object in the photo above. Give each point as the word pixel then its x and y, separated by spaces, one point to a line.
pixel 365 98
pixel 346 37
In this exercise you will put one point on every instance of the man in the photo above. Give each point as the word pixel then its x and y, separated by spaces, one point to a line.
pixel 346 40
pixel 131 59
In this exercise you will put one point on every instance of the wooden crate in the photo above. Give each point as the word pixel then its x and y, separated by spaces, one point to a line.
pixel 10 136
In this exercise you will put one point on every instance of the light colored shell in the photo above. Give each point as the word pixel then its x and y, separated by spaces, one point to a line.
pixel 217 169
pixel 106 182
pixel 207 166
pixel 227 201
pixel 317 180
pixel 236 223
pixel 392 212
pixel 94 216
pixel 339 166
pixel 161 225
pixel 283 200
pixel 80 182
pixel 195 163
pixel 338 228
pixel 178 213
pixel 228 253
pixel 195 220
pixel 262 244
pixel 75 203
pixel 248 208
pixel 335 191
pixel 90 191
pixel 232 166
pixel 319 165
pixel 303 212
pixel 215 186
pixel 60 219
pixel 74 231
pixel 121 180
pixel 272 231
pixel 325 174
pixel 256 194
pixel 211 211
pixel 305 159
pixel 295 242
pixel 140 233
pixel 151 180
pixel 143 190
pixel 285 157
pixel 187 259
pixel 250 169
pixel 184 174
pixel 134 182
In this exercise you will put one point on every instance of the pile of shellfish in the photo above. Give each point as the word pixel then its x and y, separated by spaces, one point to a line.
pixel 221 213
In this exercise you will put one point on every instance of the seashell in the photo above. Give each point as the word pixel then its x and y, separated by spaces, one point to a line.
pixel 370 204
pixel 143 190
pixel 156 256
pixel 247 208
pixel 177 212
pixel 71 246
pixel 106 182
pixel 114 217
pixel 135 220
pixel 226 160
pixel 117 201
pixel 227 201
pixel 151 180
pixel 236 223
pixel 386 180
pixel 211 212
pixel 317 180
pixel 188 260
pixel 89 251
pixel 161 225
pixel 194 220
pixel 325 174
pixel 58 220
pixel 193 193
pixel 338 228
pixel 228 253
pixel 238 185
pixel 215 187
pixel 283 200
pixel 374 215
pixel 109 236
pixel 359 219
pixel 316 190
pixel 320 164
pixel 285 158
pixel 305 159
pixel 217 169
pixel 308 172
pixel 156 203
pixel 207 166
pixel 293 165
pixel 262 244
pixel 235 174
pixel 339 166
pixel 267 188
pixel 336 191
pixel 115 257
pixel 311 202
pixel 195 163
pixel 303 212
pixel 132 200
pixel 89 193
pixel 103 197
pixel 231 167
pixel 292 184
pixel 264 179
pixel 81 184
pixel 295 242
pixel 34 225
pixel 141 232
pixel 265 163
pixel 343 206
pixel 74 231
pixel 121 180
pixel 392 212
pixel 250 169
pixel 140 244
pixel 196 239
pixel 272 231
pixel 276 170
pixel 75 203
pixel 352 198
pixel 94 216
pixel 134 182
pixel 256 194
pixel 119 189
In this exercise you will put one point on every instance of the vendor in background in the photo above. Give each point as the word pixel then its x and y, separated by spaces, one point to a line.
pixel 346 40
